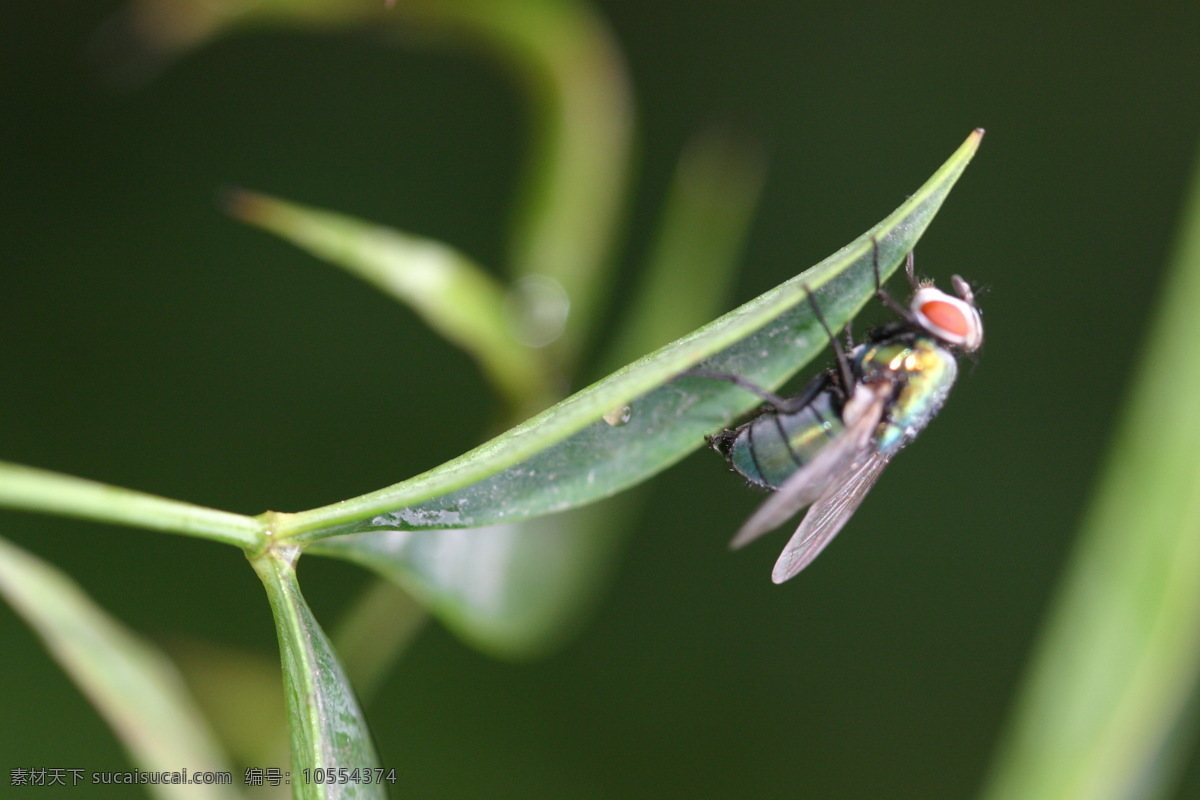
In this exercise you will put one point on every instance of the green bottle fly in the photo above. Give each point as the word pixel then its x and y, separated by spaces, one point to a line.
pixel 826 447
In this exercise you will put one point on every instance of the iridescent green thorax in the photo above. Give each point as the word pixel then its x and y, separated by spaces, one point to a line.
pixel 922 372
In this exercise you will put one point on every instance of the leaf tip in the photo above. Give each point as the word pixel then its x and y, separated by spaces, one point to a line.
pixel 969 147
pixel 243 204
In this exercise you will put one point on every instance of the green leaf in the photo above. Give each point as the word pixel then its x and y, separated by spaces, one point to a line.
pixel 448 290
pixel 522 589
pixel 134 686
pixel 147 33
pixel 327 726
pixel 373 632
pixel 1102 714
pixel 514 591
pixel 568 67
pixel 240 693
pixel 568 455
pixel 578 166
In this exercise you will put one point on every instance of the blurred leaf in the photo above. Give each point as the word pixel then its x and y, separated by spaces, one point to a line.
pixel 582 125
pixel 327 726
pixel 1101 712
pixel 453 294
pixel 708 210
pixel 383 620
pixel 564 58
pixel 515 591
pixel 148 33
pixel 240 693
pixel 521 590
pixel 568 455
pixel 31 489
pixel 132 684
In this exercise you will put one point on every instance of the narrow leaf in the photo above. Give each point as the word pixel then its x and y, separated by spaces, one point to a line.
pixel 373 632
pixel 131 683
pixel 566 64
pixel 518 591
pixel 1102 713
pixel 515 591
pixel 572 188
pixel 240 693
pixel 327 726
pixel 448 290
pixel 569 455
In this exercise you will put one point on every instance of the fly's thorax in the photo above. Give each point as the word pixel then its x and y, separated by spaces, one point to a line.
pixel 769 448
pixel 922 372
pixel 903 358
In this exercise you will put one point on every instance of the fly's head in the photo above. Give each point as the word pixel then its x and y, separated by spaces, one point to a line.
pixel 954 320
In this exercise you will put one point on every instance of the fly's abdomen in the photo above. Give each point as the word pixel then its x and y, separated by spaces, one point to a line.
pixel 769 448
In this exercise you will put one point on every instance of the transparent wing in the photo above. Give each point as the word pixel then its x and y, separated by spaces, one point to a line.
pixel 828 515
pixel 811 481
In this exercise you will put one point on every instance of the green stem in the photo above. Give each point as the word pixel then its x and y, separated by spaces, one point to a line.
pixel 582 127
pixel 29 489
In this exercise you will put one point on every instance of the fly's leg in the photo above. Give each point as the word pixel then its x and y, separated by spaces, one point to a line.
pixel 791 405
pixel 881 293
pixel 843 363
pixel 782 405
pixel 772 399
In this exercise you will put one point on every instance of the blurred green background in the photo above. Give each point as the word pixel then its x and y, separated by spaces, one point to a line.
pixel 151 342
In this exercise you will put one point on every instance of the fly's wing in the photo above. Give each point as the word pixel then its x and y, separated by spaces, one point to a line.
pixel 828 514
pixel 811 481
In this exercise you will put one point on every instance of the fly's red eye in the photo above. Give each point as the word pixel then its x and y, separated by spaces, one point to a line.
pixel 947 317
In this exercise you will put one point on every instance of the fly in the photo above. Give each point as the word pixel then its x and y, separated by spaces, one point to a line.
pixel 826 447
